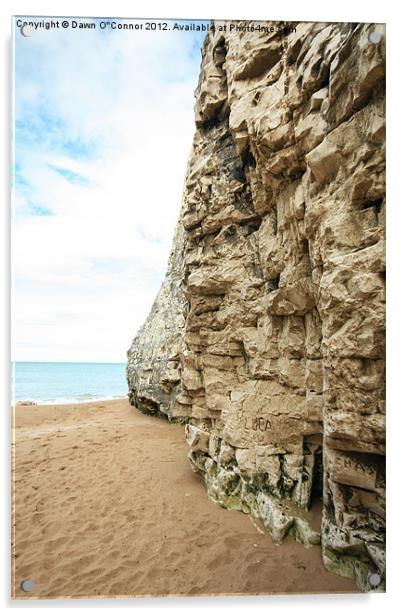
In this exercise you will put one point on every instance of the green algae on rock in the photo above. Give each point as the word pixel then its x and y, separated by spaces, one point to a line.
pixel 267 337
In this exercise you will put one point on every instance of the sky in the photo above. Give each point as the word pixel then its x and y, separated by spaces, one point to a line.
pixel 103 125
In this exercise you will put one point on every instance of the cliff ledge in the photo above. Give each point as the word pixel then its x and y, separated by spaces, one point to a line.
pixel 267 336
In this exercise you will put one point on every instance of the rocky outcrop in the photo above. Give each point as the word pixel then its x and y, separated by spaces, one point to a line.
pixel 267 337
pixel 153 368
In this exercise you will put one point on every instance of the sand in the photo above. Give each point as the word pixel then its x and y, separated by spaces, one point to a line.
pixel 106 504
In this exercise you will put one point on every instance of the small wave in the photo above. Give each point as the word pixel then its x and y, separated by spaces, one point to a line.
pixel 82 398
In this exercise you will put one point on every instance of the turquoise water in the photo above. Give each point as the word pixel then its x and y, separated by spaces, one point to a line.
pixel 60 382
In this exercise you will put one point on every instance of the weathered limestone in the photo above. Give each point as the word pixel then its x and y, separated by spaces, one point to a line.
pixel 267 337
pixel 153 372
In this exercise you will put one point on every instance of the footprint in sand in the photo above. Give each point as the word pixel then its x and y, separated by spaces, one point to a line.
pixel 219 560
pixel 232 542
pixel 107 539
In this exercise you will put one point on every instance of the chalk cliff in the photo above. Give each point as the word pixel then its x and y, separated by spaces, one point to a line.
pixel 267 336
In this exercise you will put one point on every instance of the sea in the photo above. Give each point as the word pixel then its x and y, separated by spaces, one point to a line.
pixel 63 382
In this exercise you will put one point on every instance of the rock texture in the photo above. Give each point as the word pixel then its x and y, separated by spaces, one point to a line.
pixel 267 337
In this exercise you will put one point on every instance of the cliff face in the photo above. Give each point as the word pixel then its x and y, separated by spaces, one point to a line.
pixel 267 336
pixel 153 368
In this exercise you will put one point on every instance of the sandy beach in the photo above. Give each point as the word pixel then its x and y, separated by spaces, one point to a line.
pixel 105 504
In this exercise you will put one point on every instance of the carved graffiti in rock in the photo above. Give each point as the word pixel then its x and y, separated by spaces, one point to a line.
pixel 267 336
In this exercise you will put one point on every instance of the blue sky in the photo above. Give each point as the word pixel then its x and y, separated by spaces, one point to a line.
pixel 103 128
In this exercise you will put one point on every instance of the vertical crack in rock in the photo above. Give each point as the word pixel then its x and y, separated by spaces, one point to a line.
pixel 267 336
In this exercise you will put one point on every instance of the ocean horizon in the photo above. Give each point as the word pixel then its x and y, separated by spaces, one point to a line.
pixel 65 382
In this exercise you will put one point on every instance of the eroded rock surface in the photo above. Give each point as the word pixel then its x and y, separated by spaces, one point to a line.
pixel 267 336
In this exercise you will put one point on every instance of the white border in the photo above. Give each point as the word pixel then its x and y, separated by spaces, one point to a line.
pixel 292 10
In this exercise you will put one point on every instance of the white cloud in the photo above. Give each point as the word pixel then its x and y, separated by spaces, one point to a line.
pixel 105 123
